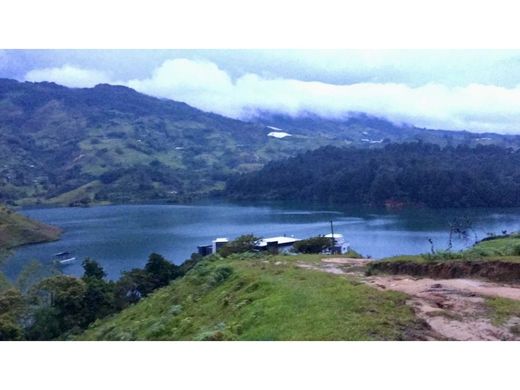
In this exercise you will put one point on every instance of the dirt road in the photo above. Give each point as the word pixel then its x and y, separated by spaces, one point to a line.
pixel 455 309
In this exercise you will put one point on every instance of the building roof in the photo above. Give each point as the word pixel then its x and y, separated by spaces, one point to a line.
pixel 336 235
pixel 281 240
pixel 221 239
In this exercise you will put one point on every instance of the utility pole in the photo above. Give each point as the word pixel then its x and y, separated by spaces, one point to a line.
pixel 333 240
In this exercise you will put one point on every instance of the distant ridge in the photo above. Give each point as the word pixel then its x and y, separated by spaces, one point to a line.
pixel 79 146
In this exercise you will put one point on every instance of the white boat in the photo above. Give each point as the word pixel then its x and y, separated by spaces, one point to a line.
pixel 64 258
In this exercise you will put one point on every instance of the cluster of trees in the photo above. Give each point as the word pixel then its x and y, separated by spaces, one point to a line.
pixel 412 173
pixel 241 244
pixel 313 245
pixel 61 305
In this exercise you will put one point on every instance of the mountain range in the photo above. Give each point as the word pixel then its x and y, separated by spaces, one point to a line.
pixel 76 146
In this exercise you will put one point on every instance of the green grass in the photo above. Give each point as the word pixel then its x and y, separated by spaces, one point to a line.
pixel 86 191
pixel 507 246
pixel 506 249
pixel 502 309
pixel 16 230
pixel 261 299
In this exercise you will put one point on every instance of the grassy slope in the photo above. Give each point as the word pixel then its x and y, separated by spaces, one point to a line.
pixel 16 229
pixel 261 299
pixel 503 309
pixel 506 249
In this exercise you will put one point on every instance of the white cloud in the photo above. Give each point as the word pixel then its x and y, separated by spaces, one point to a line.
pixel 69 76
pixel 473 107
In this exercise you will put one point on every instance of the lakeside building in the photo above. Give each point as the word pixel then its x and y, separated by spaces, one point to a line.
pixel 339 246
pixel 216 244
pixel 276 244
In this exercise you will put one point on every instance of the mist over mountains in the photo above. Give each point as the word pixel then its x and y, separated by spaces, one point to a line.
pixel 109 143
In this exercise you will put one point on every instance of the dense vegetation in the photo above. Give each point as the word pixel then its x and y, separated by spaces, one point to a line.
pixel 58 306
pixel 261 297
pixel 413 173
pixel 313 245
pixel 111 144
pixel 241 244
pixel 76 146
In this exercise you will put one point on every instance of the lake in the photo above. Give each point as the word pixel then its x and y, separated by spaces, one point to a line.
pixel 121 237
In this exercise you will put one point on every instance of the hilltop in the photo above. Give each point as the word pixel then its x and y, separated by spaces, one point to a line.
pixel 262 298
pixel 317 297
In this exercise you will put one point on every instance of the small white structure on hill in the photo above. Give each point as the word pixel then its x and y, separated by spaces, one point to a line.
pixel 218 243
pixel 278 134
pixel 280 243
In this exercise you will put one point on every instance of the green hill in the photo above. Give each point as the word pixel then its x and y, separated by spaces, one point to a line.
pixel 109 143
pixel 245 298
pixel 16 230
pixel 75 146
pixel 415 174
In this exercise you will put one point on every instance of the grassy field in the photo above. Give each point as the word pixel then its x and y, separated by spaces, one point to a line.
pixel 269 298
pixel 502 309
pixel 506 249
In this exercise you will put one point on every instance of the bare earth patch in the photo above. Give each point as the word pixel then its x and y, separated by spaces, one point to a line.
pixel 455 309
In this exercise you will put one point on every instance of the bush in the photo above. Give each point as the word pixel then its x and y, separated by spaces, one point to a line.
pixel 242 244
pixel 313 245
pixel 516 250
pixel 220 275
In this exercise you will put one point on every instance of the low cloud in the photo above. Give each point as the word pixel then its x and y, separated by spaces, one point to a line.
pixel 69 75
pixel 473 107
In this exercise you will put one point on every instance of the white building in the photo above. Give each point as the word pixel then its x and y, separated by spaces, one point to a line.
pixel 340 245
pixel 280 243
pixel 218 243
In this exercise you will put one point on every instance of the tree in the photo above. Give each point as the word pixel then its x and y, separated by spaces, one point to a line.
pixel 313 245
pixel 131 287
pixel 92 269
pixel 242 244
pixel 99 300
pixel 12 308
pixel 60 301
pixel 160 270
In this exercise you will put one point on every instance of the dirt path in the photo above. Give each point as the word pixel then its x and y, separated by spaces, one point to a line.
pixel 454 309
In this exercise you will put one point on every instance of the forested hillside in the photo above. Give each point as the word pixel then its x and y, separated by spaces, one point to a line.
pixel 109 143
pixel 76 146
pixel 413 173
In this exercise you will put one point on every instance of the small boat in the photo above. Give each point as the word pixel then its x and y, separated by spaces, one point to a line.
pixel 64 258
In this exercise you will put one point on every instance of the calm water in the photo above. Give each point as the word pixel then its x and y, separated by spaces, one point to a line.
pixel 122 237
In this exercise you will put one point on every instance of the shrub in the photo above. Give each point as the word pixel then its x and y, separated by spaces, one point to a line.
pixel 220 275
pixel 242 244
pixel 516 250
pixel 313 245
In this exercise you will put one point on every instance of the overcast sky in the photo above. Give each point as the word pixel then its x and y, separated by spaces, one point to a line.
pixel 456 89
